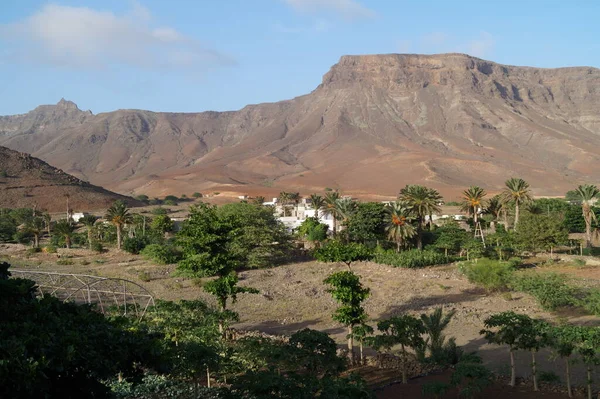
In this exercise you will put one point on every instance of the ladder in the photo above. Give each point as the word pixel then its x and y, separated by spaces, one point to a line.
pixel 479 232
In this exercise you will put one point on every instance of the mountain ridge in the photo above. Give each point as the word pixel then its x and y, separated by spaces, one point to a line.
pixel 375 123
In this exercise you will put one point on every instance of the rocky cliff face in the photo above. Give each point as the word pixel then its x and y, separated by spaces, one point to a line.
pixel 374 124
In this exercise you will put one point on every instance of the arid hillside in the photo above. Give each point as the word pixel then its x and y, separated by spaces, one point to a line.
pixel 26 181
pixel 376 123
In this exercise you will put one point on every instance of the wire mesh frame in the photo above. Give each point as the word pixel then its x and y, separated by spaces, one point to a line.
pixel 126 295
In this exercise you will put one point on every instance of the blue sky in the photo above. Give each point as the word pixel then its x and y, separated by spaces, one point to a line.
pixel 197 55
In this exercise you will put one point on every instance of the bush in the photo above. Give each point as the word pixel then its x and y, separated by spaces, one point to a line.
pixel 161 254
pixel 410 259
pixel 23 237
pixel 591 301
pixel 97 246
pixel 170 202
pixel 50 249
pixel 34 250
pixel 160 211
pixel 550 289
pixel 134 245
pixel 64 262
pixel 491 274
pixel 144 276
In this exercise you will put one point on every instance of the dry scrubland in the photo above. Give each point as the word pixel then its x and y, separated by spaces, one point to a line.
pixel 293 296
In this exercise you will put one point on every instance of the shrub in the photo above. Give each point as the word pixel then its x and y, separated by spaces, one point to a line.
pixel 197 195
pixel 515 262
pixel 134 245
pixel 591 301
pixel 50 249
pixel 85 262
pixel 161 254
pixel 97 246
pixel 491 274
pixel 410 259
pixel 550 289
pixel 170 202
pixel 171 198
pixel 23 237
pixel 34 250
pixel 579 262
pixel 160 211
pixel 144 276
pixel 64 262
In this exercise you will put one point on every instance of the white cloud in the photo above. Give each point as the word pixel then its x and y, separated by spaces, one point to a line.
pixel 346 8
pixel 84 37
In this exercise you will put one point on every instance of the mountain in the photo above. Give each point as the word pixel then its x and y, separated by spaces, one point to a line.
pixel 26 181
pixel 374 124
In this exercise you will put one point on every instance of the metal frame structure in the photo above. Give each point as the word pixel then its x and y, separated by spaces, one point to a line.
pixel 102 291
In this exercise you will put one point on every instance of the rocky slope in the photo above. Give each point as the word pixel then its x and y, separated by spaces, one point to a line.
pixel 375 124
pixel 26 181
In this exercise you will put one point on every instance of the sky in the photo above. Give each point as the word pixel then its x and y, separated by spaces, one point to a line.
pixel 200 55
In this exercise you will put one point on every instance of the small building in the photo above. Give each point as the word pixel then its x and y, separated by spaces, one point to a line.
pixel 78 215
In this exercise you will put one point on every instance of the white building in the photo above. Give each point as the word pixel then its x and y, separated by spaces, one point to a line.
pixel 292 215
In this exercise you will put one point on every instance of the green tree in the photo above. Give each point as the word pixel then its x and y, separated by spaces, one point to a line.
pixel 361 333
pixel 8 227
pixel 587 344
pixel 313 231
pixel 404 330
pixel 473 201
pixel 540 232
pixel 422 202
pixel 88 221
pixel 517 192
pixel 561 341
pixel 197 195
pixel 535 335
pixel 398 223
pixel 162 224
pixel 588 195
pixel 118 215
pixel 347 290
pixel 336 251
pixel 450 237
pixel 66 230
pixel 506 328
pixel 366 223
pixel 224 288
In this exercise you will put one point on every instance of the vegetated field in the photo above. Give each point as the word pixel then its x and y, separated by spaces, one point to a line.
pixel 293 297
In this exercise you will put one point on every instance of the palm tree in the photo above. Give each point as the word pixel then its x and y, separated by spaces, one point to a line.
pixel 47 219
pixel 472 201
pixel 435 324
pixel 35 226
pixel 330 208
pixel 421 202
pixel 345 208
pixel 494 207
pixel 588 194
pixel 88 221
pixel 284 199
pixel 118 214
pixel 318 203
pixel 399 227
pixel 64 228
pixel 517 191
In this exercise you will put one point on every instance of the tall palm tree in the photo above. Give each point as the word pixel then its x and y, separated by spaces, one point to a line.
pixel 494 207
pixel 118 214
pixel 472 201
pixel 88 221
pixel 398 223
pixel 331 208
pixel 421 202
pixel 318 203
pixel 47 219
pixel 35 226
pixel 517 192
pixel 284 199
pixel 64 228
pixel 588 194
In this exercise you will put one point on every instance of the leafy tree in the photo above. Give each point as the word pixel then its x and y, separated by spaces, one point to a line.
pixel 22 215
pixel 8 228
pixel 118 215
pixel 312 230
pixel 366 223
pixel 336 251
pixel 450 238
pixel 470 377
pixel 204 239
pixel 535 335
pixel 587 344
pixel 197 195
pixel 473 202
pixel 398 223
pixel 224 288
pixel 404 330
pixel 506 328
pixel 588 194
pixel 347 290
pixel 315 352
pixel 256 237
pixel 65 230
pixel 422 202
pixel 517 192
pixel 540 232
pixel 142 197
pixel 162 224
pixel 361 333
pixel 561 340
pixel 88 221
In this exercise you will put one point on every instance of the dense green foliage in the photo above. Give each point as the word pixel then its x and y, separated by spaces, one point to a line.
pixel 491 274
pixel 550 289
pixel 540 232
pixel 366 224
pixel 312 230
pixel 337 251
pixel 161 254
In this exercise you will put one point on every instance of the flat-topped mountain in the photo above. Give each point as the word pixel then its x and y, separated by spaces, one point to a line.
pixel 374 124
pixel 26 181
